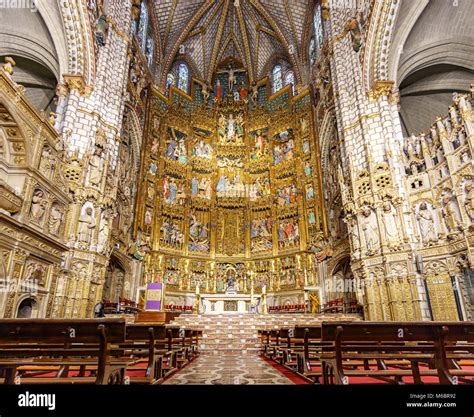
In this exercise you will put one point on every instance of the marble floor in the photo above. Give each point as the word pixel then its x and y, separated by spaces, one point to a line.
pixel 228 369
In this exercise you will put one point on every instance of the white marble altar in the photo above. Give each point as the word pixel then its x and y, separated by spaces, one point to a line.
pixel 227 303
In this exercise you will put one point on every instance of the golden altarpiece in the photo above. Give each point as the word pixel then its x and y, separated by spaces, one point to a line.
pixel 231 189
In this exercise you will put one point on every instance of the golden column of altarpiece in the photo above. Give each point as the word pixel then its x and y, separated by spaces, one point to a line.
pixel 230 189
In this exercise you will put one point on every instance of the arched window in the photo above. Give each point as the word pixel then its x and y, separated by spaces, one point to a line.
pixel 149 51
pixel 170 80
pixel 143 25
pixel 290 79
pixel 277 78
pixel 312 51
pixel 183 75
pixel 318 28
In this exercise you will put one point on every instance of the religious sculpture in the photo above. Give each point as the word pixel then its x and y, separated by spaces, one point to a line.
pixel 55 219
pixel 469 200
pixel 198 235
pixel 353 230
pixel 47 162
pixel 231 128
pixel 260 143
pixel 38 206
pixel 450 214
pixel 205 93
pixel 202 150
pixel 218 91
pixel 254 94
pixel 86 225
pixel 104 228
pixel 100 29
pixel 231 284
pixel 426 224
pixel 370 229
pixel 288 233
pixel 95 167
pixel 314 303
pixel 261 234
pixel 390 225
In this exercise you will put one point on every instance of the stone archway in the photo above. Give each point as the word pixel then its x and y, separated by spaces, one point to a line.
pixel 27 308
pixel 115 283
pixel 341 281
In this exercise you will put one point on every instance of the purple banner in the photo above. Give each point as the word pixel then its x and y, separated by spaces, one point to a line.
pixel 153 296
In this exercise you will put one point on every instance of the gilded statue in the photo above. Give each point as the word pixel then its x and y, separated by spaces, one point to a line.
pixel 314 303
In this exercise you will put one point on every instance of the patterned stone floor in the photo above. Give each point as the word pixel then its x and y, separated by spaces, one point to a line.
pixel 228 369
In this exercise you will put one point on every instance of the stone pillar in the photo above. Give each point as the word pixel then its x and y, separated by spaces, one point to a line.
pixel 90 123
pixel 371 137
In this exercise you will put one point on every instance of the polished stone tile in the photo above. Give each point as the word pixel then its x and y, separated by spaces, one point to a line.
pixel 227 369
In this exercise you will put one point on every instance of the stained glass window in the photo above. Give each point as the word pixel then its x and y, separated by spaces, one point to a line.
pixel 149 51
pixel 170 80
pixel 312 51
pixel 277 78
pixel 183 77
pixel 318 28
pixel 290 79
pixel 143 25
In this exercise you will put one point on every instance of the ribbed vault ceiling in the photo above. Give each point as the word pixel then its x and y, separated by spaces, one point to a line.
pixel 251 31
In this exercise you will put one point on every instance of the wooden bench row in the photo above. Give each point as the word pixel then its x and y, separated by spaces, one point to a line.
pixel 99 351
pixel 339 352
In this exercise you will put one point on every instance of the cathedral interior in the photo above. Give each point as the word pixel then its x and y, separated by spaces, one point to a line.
pixel 265 156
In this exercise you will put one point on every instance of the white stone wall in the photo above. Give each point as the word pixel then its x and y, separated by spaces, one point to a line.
pixel 370 133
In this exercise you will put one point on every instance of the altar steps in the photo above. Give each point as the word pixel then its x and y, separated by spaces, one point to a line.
pixel 238 333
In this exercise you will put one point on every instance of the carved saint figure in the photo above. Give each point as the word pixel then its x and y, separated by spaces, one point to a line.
pixel 427 225
pixel 171 149
pixel 370 230
pixel 194 186
pixel 86 225
pixel 231 127
pixel 390 224
pixel 450 214
pixel 218 90
pixel 469 200
pixel 103 230
pixel 353 229
pixel 47 161
pixel 55 218
pixel 95 167
pixel 38 205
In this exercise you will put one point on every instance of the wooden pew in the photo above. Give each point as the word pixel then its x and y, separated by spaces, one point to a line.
pixel 454 346
pixel 59 346
pixel 145 342
pixel 309 351
pixel 396 349
pixel 181 342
